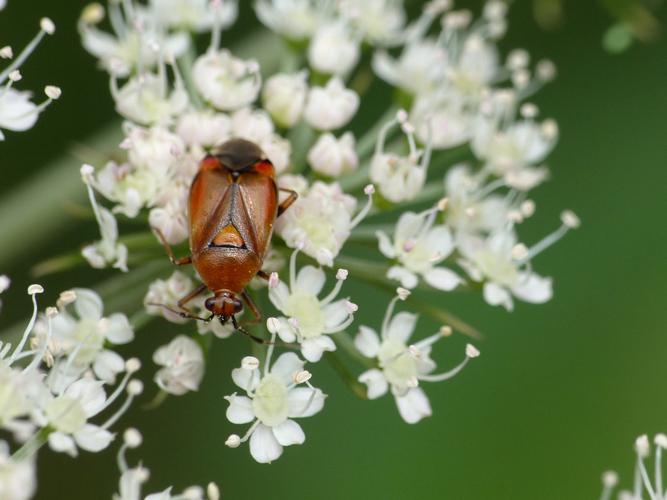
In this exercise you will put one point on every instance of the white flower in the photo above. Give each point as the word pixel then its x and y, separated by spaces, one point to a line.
pixel 380 21
pixel 108 250
pixel 493 261
pixel 418 70
pixel 399 178
pixel 183 363
pixel 131 47
pixel 68 415
pixel 310 320
pixel 17 478
pixel 18 390
pixel 470 207
pixel 273 399
pixel 332 106
pixel 320 221
pixel 418 246
pixel 225 81
pixel 132 479
pixel 511 152
pixel 171 217
pixel 333 157
pixel 168 292
pixel 84 335
pixel 284 97
pixel 444 119
pixel 204 128
pixel 153 148
pixel 145 99
pixel 295 19
pixel 334 49
pixel 194 15
pixel 252 124
pixel 401 365
pixel 17 112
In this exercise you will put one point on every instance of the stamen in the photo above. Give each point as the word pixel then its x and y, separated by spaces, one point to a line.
pixel 216 31
pixel 33 290
pixel 292 269
pixel 269 354
pixel 643 448
pixel 388 314
pixel 471 352
pixel 570 221
pixel 368 190
pixel 130 368
pixel 233 441
pixel 134 388
pixel 46 27
pixel 340 327
pixel 609 481
pixel 660 441
pixel 248 433
pixel 341 276
pixel 250 363
pixel 401 114
pixel 6 52
pixel 50 313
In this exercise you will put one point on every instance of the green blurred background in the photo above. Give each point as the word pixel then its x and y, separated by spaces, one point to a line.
pixel 560 391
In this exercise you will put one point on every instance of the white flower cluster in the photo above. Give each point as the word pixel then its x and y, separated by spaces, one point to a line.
pixel 132 478
pixel 461 99
pixel 643 484
pixel 58 380
pixel 17 111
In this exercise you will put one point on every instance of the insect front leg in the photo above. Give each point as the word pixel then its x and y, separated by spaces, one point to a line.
pixel 253 307
pixel 293 195
pixel 177 262
pixel 184 313
pixel 184 300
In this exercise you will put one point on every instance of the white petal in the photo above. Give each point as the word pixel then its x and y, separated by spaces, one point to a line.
pixel 16 111
pixel 279 296
pixel 442 278
pixel 107 364
pixel 90 394
pixel 310 279
pixel 239 410
pixel 312 349
pixel 93 438
pixel 375 382
pixel 496 295
pixel 62 443
pixel 385 245
pixel 367 342
pixel 408 225
pixel 533 288
pixel 439 240
pixel 413 405
pixel 264 447
pixel 304 402
pixel 407 278
pixel 286 332
pixel 334 315
pixel 245 379
pixel 88 304
pixel 289 433
pixel 401 327
pixel 163 495
pixel 286 366
pixel 118 329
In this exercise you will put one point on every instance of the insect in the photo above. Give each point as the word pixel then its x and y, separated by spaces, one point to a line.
pixel 233 205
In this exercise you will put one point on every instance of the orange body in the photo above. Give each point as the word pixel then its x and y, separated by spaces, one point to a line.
pixel 233 206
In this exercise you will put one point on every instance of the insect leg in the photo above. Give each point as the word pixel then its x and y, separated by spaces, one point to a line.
pixel 248 334
pixel 263 274
pixel 178 262
pixel 184 313
pixel 293 195
pixel 190 296
pixel 252 306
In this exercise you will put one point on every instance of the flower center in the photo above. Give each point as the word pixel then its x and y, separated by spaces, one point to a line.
pixel 270 401
pixel 398 366
pixel 305 308
pixel 66 414
pixel 89 334
pixel 502 271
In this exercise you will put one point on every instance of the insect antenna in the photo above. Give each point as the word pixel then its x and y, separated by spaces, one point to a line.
pixel 182 313
pixel 260 340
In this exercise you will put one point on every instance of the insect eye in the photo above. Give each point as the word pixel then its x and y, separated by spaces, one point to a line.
pixel 210 303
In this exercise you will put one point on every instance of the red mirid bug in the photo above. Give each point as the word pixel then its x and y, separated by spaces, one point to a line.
pixel 232 208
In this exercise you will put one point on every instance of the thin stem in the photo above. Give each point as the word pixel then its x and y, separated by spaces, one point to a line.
pixel 32 445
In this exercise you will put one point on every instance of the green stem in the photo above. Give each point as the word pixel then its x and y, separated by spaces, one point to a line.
pixel 345 343
pixel 31 446
pixel 350 380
